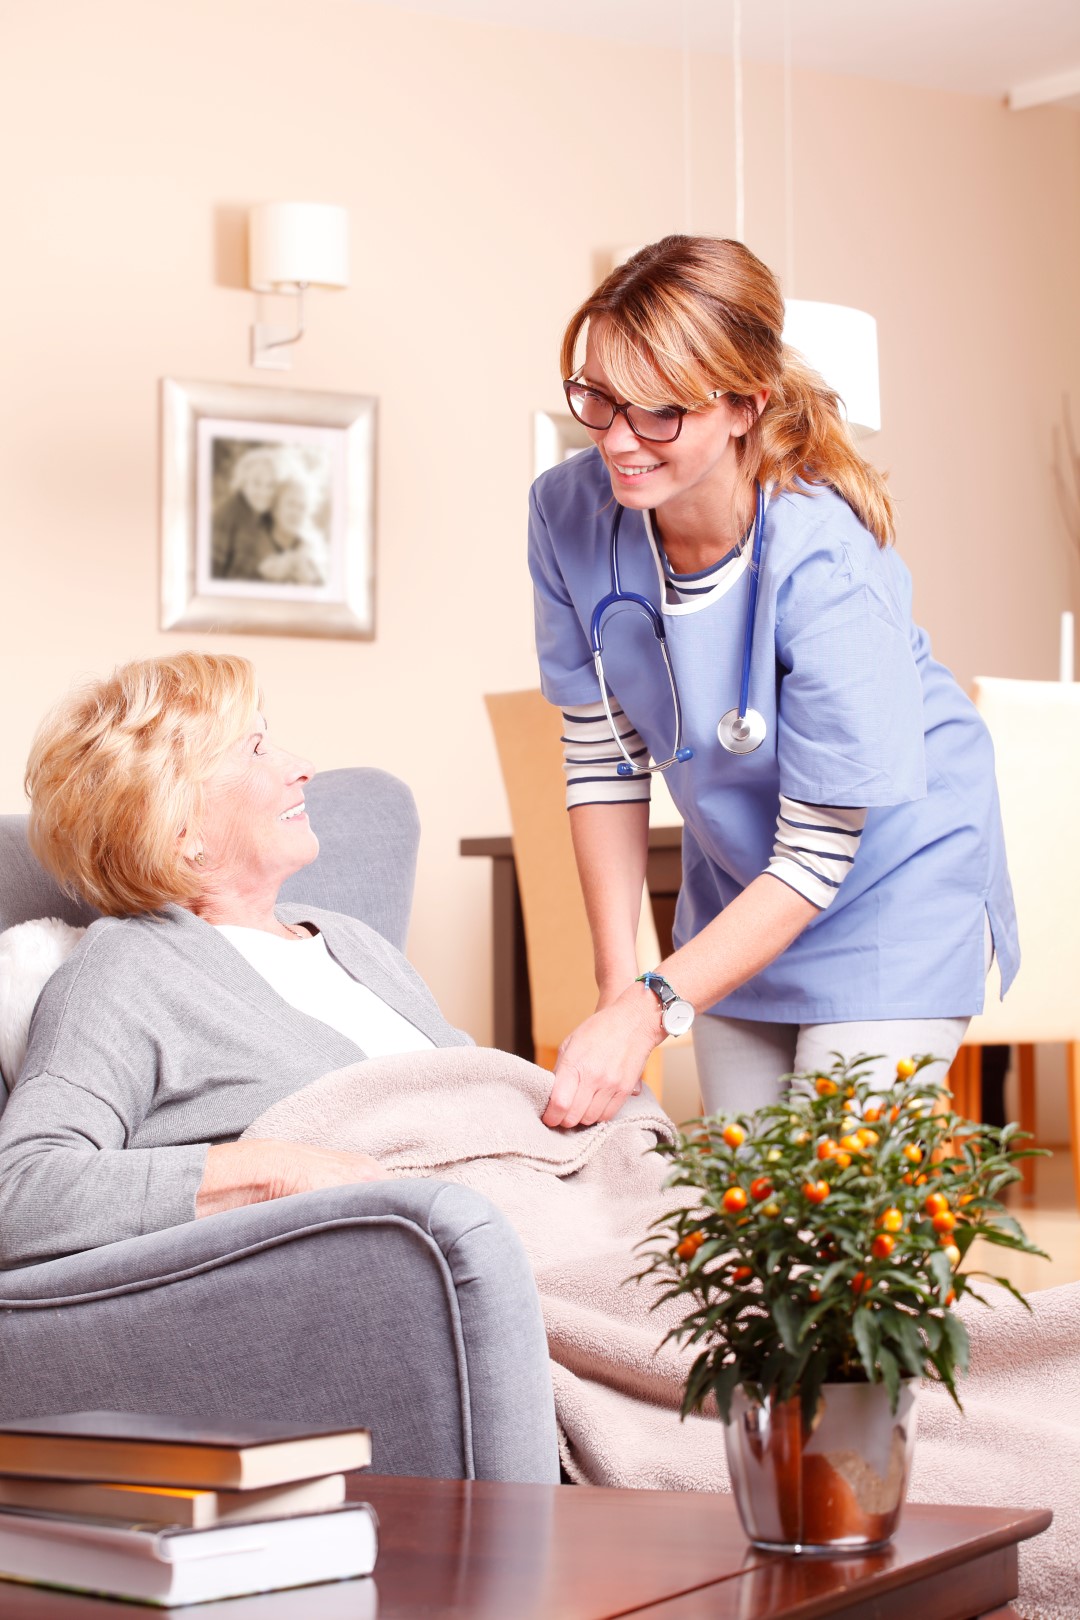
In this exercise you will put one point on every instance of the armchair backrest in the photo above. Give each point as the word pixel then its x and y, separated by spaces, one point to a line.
pixel 368 832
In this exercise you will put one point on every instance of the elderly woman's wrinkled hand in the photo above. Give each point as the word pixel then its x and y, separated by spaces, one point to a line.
pixel 252 1172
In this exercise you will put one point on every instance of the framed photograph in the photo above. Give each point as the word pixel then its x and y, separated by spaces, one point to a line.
pixel 556 437
pixel 267 510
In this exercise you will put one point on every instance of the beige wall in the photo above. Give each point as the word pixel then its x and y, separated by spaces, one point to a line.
pixel 488 172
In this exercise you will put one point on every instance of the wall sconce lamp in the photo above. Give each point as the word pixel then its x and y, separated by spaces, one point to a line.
pixel 291 247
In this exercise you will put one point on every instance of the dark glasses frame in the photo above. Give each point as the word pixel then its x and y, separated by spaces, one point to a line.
pixel 625 409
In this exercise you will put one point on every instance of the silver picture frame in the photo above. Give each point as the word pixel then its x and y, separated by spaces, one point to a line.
pixel 317 577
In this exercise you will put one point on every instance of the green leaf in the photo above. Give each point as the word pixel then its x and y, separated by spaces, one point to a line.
pixel 787 1324
pixel 865 1330
pixel 724 1385
pixel 941 1269
pixel 956 1335
pixel 890 1373
pixel 1002 1282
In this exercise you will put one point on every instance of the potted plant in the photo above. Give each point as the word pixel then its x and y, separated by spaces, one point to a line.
pixel 819 1262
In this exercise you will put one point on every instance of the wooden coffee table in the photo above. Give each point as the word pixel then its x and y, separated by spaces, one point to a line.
pixel 483 1551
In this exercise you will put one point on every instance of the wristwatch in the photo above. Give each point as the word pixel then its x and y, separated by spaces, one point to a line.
pixel 676 1015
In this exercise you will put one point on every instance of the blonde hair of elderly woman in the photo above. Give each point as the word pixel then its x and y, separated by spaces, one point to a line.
pixel 692 314
pixel 116 773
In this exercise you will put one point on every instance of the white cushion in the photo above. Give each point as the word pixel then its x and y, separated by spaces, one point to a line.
pixel 30 954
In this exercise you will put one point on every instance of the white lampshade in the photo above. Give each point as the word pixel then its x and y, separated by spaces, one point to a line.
pixel 294 244
pixel 841 344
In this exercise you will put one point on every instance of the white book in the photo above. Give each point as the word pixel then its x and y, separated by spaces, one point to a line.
pixel 170 1567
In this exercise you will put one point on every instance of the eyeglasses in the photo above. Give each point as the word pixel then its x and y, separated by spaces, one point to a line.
pixel 597 410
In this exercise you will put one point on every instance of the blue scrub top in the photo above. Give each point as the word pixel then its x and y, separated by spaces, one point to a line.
pixel 858 714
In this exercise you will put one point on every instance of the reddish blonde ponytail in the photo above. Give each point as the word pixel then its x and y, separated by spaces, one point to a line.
pixel 692 314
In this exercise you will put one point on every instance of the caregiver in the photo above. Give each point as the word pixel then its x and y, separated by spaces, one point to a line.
pixel 844 878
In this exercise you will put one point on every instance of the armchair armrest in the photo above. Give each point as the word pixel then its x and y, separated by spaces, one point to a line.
pixel 405 1305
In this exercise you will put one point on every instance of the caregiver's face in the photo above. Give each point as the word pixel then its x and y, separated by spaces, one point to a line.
pixel 255 831
pixel 645 474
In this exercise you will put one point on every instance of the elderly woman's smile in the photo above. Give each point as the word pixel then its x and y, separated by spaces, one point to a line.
pixel 254 831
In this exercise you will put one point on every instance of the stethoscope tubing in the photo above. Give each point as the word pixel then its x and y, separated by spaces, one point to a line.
pixel 739 731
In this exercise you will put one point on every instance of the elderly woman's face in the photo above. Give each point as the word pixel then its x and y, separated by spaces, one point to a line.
pixel 255 830
pixel 259 484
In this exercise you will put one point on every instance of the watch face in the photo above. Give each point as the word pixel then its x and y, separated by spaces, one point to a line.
pixel 677 1016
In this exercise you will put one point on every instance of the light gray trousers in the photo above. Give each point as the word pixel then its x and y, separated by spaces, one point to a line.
pixel 740 1061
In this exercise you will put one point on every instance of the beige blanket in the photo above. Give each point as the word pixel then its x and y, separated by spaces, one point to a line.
pixel 581 1200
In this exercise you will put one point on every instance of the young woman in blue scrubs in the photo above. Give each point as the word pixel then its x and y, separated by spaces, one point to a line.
pixel 844 882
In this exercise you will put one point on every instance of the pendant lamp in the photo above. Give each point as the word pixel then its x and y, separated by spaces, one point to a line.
pixel 840 343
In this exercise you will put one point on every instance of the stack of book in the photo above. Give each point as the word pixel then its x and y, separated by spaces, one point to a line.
pixel 163 1511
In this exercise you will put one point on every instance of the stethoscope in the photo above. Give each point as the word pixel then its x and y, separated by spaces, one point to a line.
pixel 740 730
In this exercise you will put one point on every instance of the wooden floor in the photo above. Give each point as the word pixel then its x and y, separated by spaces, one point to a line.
pixel 1051 1220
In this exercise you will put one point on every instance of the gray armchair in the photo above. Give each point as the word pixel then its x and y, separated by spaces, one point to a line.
pixel 406 1306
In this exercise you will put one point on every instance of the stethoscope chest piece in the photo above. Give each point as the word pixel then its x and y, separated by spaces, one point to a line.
pixel 741 733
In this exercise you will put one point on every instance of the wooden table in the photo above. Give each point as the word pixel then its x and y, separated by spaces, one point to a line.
pixel 512 1001
pixel 451 1550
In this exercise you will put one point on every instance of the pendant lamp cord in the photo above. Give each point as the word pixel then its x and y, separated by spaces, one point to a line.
pixel 686 146
pixel 789 162
pixel 737 78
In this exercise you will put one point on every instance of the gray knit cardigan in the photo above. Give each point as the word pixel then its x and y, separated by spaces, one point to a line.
pixel 154 1039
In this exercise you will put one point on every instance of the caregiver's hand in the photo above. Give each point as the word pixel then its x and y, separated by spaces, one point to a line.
pixel 252 1172
pixel 600 1064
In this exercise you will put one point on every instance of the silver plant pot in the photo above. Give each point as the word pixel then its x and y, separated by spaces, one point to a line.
pixel 836 1486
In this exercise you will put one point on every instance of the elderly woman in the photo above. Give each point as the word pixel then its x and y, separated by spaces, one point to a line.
pixel 196 1001
pixel 242 529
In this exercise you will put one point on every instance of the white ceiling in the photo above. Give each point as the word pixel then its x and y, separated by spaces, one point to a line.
pixel 979 47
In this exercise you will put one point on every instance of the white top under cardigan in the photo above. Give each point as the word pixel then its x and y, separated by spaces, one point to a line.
pixel 304 974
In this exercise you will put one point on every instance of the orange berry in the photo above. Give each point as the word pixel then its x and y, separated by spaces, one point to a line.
pixel 851 1144
pixel 944 1222
pixel 734 1200
pixel 825 1148
pixel 686 1250
pixel 816 1191
pixel 905 1069
pixel 936 1204
pixel 742 1274
pixel 760 1188
pixel 894 1114
pixel 733 1135
pixel 908 1180
pixel 872 1116
pixel 815 1295
pixel 841 1160
pixel 920 1181
pixel 867 1138
pixel 965 1199
pixel 950 1297
pixel 770 1209
pixel 860 1283
pixel 891 1220
pixel 882 1246
pixel 912 1153
pixel 825 1087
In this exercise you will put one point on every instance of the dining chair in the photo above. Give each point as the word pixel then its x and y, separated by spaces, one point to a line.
pixel 1035 728
pixel 528 733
